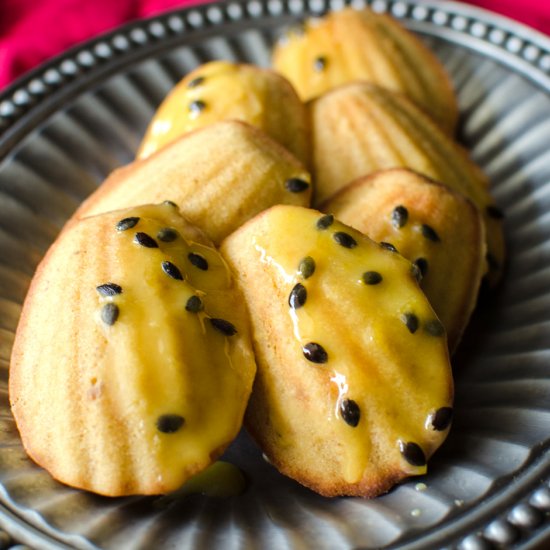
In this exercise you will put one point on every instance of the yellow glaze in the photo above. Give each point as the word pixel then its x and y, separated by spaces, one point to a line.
pixel 157 358
pixel 171 361
pixel 397 378
pixel 221 90
pixel 455 262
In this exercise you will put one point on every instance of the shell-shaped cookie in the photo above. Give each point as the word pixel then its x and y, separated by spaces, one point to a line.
pixel 219 176
pixel 132 363
pixel 221 90
pixel 354 388
pixel 351 45
pixel 361 128
pixel 437 229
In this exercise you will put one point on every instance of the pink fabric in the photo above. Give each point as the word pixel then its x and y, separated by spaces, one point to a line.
pixel 32 31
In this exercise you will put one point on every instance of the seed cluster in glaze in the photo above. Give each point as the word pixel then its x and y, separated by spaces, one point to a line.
pixel 438 230
pixel 168 235
pixel 167 423
pixel 354 336
pixel 314 352
pixel 143 377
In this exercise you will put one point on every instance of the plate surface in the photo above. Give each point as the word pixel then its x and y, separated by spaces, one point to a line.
pixel 72 121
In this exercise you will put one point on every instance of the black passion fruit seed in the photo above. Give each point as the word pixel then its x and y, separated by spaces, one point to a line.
pixel 320 63
pixel 441 419
pixel 434 327
pixel 126 223
pixel 344 239
pixel 296 185
pixel 399 216
pixel 372 278
pixel 170 423
pixel 194 304
pixel 298 296
pixel 225 327
pixel 197 107
pixel 109 313
pixel 306 267
pixel 351 414
pixel 430 233
pixel 422 265
pixel 171 270
pixel 109 289
pixel 167 235
pixel 325 221
pixel 387 246
pixel 198 261
pixel 195 82
pixel 412 453
pixel 410 320
pixel 315 353
pixel 170 203
pixel 145 240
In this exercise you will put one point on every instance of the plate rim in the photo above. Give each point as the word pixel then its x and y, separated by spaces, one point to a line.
pixel 42 89
pixel 36 95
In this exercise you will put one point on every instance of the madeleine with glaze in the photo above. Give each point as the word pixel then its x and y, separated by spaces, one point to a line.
pixel 354 386
pixel 141 378
pixel 437 229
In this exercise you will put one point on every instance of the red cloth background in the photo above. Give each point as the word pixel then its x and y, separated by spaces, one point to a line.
pixel 31 31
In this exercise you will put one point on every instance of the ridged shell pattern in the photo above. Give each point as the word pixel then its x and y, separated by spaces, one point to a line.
pixel 488 483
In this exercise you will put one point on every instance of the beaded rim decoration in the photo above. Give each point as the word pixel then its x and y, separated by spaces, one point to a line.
pixel 43 91
pixel 37 94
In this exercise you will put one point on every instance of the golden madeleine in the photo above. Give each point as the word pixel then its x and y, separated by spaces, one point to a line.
pixel 350 45
pixel 219 176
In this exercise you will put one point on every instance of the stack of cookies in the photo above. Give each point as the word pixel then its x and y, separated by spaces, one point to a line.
pixel 298 248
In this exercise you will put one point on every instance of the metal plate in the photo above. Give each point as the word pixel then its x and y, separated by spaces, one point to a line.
pixel 64 127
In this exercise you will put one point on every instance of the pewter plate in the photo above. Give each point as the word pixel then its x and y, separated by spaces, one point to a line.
pixel 64 127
